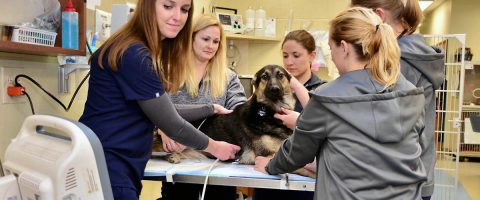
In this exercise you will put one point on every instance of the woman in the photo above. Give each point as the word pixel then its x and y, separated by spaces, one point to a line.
pixel 209 82
pixel 129 76
pixel 363 128
pixel 421 64
pixel 298 50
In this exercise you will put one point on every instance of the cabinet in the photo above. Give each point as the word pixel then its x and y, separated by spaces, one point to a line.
pixel 248 53
pixel 14 47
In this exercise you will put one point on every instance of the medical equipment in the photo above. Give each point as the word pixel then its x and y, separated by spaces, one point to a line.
pixel 55 158
pixel 231 23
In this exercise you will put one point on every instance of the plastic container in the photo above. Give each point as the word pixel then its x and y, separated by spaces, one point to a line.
pixel 260 16
pixel 250 16
pixel 70 27
pixel 33 36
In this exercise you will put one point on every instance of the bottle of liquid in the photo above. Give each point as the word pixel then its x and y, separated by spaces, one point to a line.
pixel 260 16
pixel 250 16
pixel 70 27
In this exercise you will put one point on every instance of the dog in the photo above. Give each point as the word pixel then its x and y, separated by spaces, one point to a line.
pixel 251 125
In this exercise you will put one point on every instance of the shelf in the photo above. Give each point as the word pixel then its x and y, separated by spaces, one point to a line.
pixel 15 47
pixel 471 108
pixel 231 36
pixel 21 48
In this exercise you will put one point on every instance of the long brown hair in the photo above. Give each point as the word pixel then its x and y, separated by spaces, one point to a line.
pixel 372 40
pixel 167 54
pixel 407 12
pixel 302 37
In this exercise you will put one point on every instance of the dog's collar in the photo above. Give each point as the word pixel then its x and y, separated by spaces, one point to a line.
pixel 262 111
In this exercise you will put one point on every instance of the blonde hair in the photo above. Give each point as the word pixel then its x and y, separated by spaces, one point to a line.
pixel 372 40
pixel 166 54
pixel 216 76
pixel 407 12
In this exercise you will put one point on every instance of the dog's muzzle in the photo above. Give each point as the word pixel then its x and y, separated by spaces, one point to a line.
pixel 274 92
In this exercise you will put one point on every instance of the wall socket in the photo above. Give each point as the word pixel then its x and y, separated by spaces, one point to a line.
pixel 7 74
pixel 103 24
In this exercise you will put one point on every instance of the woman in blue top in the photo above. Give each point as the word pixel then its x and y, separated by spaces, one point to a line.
pixel 130 75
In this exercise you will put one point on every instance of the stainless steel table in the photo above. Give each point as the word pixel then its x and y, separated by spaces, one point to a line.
pixel 224 173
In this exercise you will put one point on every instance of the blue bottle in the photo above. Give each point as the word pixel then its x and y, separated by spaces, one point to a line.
pixel 70 27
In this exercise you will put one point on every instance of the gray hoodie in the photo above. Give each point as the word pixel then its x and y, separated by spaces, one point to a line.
pixel 365 140
pixel 423 66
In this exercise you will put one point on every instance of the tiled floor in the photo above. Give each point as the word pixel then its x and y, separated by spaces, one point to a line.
pixel 468 174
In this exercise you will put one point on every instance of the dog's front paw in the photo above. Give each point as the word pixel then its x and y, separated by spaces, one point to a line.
pixel 174 158
pixel 305 172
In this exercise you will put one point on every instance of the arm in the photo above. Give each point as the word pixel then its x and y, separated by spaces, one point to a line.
pixel 193 112
pixel 300 91
pixel 235 93
pixel 300 148
pixel 170 122
pixel 288 117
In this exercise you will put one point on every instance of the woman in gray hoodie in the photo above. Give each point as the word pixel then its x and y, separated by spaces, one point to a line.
pixel 364 127
pixel 421 64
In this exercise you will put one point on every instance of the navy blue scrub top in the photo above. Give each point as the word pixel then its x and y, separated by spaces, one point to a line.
pixel 112 112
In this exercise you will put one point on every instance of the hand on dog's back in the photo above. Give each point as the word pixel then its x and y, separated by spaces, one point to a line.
pixel 222 150
pixel 218 109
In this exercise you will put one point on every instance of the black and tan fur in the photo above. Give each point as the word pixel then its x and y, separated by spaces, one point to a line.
pixel 252 125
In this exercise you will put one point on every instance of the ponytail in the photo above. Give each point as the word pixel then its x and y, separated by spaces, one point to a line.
pixel 405 12
pixel 372 40
pixel 411 16
pixel 384 60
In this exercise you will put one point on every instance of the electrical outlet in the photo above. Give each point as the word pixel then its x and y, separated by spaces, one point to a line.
pixel 103 22
pixel 8 79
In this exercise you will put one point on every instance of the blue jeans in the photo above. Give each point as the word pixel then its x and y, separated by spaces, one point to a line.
pixel 426 198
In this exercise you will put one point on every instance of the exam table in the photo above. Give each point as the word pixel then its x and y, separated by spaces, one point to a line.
pixel 224 173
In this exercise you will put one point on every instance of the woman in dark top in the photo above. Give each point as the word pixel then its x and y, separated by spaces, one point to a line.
pixel 298 50
pixel 130 75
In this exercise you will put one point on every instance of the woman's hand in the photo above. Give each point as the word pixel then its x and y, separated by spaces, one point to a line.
pixel 261 162
pixel 169 145
pixel 218 109
pixel 311 166
pixel 288 117
pixel 295 84
pixel 300 91
pixel 222 150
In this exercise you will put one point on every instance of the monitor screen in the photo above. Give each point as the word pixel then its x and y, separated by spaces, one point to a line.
pixel 225 19
pixel 246 81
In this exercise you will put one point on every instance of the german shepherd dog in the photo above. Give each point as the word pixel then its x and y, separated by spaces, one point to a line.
pixel 252 125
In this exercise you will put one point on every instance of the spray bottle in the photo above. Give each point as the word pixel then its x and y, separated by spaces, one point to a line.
pixel 70 27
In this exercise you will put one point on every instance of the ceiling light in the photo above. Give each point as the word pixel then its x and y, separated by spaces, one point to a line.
pixel 424 4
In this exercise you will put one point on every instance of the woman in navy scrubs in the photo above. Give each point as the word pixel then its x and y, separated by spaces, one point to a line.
pixel 130 75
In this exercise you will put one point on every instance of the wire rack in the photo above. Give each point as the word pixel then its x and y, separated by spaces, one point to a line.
pixel 448 123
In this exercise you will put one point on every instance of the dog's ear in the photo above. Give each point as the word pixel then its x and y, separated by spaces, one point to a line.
pixel 287 74
pixel 256 78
